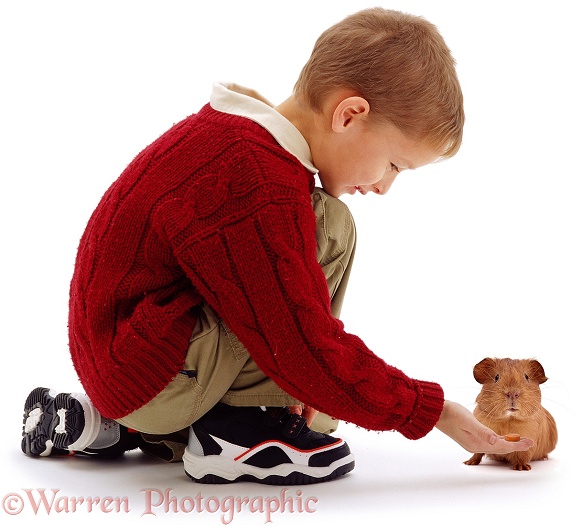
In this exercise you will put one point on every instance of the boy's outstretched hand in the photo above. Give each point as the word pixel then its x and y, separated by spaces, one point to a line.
pixel 461 425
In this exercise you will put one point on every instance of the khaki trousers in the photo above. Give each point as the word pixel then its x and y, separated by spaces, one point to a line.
pixel 217 366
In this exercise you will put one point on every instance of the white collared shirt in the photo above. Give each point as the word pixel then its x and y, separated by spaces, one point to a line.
pixel 238 100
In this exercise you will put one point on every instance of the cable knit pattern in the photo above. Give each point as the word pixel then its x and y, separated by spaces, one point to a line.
pixel 215 210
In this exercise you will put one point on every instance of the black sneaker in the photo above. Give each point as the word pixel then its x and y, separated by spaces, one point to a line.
pixel 270 446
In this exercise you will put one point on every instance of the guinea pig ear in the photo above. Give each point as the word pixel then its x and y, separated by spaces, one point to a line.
pixel 482 370
pixel 537 372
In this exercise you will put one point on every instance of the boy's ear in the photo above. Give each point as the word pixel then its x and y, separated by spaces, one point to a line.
pixel 349 111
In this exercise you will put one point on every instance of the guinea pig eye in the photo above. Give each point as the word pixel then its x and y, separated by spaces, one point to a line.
pixel 527 377
pixel 496 378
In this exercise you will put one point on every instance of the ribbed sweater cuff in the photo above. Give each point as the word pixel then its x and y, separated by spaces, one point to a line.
pixel 426 413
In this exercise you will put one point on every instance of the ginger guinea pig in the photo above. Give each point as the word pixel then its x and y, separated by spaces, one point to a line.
pixel 510 402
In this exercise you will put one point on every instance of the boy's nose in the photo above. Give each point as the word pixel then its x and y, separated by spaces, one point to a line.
pixel 377 188
pixel 382 187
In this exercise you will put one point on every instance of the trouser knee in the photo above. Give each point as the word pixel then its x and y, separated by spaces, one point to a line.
pixel 336 243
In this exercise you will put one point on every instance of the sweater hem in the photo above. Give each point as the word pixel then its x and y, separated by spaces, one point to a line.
pixel 427 411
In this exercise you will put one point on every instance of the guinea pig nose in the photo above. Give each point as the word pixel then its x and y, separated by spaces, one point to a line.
pixel 512 395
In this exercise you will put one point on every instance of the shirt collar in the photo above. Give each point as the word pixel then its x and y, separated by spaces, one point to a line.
pixel 238 100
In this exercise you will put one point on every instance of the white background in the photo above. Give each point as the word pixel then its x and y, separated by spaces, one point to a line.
pixel 477 256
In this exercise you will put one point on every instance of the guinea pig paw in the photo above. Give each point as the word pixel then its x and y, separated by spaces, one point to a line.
pixel 521 466
pixel 475 459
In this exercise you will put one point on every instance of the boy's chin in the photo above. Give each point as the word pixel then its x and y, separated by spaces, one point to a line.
pixel 337 192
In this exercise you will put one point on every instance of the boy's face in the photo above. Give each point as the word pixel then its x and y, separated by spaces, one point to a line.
pixel 364 158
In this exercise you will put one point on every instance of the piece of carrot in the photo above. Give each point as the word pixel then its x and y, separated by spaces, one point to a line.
pixel 512 437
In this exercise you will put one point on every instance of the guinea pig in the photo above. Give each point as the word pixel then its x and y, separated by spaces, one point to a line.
pixel 510 402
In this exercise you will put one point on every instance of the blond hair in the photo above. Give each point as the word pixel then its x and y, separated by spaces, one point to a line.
pixel 400 64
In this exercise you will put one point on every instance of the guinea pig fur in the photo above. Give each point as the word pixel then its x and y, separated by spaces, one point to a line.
pixel 510 401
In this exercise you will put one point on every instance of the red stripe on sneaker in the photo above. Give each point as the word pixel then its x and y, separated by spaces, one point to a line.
pixel 324 447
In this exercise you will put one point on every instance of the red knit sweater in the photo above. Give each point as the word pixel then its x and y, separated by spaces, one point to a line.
pixel 216 210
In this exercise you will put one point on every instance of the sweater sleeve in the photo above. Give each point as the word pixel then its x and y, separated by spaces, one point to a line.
pixel 256 267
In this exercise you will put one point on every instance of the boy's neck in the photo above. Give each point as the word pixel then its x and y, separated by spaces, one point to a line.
pixel 300 115
pixel 312 124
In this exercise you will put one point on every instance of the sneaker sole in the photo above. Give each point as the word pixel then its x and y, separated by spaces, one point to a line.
pixel 81 421
pixel 56 421
pixel 37 422
pixel 220 470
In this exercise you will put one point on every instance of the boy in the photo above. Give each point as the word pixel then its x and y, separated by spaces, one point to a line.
pixel 208 284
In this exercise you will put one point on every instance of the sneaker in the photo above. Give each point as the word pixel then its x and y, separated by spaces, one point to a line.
pixel 271 446
pixel 67 423
pixel 57 423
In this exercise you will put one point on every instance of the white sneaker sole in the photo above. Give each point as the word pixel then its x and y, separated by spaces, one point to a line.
pixel 221 469
pixel 92 424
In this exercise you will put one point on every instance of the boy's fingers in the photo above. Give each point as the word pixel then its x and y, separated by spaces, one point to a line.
pixel 309 414
pixel 486 434
pixel 525 443
pixel 502 446
pixel 498 443
pixel 296 409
